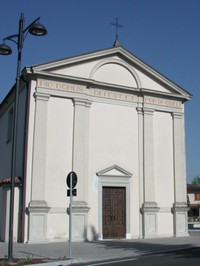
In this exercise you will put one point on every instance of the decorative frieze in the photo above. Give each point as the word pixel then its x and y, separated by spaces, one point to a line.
pixel 57 85
pixel 163 102
pixel 108 93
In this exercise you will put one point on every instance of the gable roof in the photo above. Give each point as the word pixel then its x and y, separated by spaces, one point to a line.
pixel 115 56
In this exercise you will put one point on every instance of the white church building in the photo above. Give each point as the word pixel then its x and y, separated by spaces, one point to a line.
pixel 118 124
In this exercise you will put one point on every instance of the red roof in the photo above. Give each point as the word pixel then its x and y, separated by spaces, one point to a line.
pixel 191 188
pixel 7 181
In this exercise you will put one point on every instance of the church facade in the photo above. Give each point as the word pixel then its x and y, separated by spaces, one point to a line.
pixel 118 124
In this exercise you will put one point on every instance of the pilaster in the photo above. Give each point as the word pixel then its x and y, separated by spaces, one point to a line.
pixel 37 208
pixel 80 145
pixel 149 183
pixel 80 166
pixel 149 208
pixel 140 167
pixel 179 208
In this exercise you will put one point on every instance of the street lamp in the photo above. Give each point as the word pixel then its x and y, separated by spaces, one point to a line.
pixel 37 29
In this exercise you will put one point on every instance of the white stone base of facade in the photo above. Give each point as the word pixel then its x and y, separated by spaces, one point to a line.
pixel 100 237
pixel 128 236
pixel 79 221
pixel 149 211
pixel 37 211
pixel 180 211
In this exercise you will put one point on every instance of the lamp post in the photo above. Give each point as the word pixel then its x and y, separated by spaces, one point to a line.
pixel 37 29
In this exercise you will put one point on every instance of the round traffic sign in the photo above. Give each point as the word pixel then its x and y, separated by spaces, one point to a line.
pixel 72 175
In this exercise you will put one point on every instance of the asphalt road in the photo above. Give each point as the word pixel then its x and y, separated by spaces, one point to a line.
pixel 185 257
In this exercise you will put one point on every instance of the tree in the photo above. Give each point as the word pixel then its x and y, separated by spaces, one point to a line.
pixel 196 180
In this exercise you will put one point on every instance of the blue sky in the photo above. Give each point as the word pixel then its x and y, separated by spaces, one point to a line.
pixel 165 34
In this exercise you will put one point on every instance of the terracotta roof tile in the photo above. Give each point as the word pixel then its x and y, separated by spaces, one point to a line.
pixel 7 181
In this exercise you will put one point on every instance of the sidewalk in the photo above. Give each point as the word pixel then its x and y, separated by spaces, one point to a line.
pixel 57 253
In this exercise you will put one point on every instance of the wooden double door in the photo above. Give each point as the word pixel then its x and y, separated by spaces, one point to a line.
pixel 114 212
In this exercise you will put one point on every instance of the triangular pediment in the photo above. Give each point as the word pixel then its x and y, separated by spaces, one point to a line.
pixel 115 67
pixel 114 171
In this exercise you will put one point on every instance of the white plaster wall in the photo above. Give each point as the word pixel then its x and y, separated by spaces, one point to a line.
pixel 149 83
pixel 58 165
pixel 163 148
pixel 134 208
pixel 191 197
pixel 6 147
pixel 113 137
pixel 77 70
pixel 30 142
pixel 57 225
pixel 21 131
pixel 164 183
pixel 59 150
pixel 4 232
pixel 113 140
pixel 93 223
pixel 165 224
pixel 116 74
pixel 16 213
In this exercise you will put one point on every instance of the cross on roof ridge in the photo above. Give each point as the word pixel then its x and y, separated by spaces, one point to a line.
pixel 117 26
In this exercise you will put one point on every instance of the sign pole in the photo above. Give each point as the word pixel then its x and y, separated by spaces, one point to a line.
pixel 70 219
pixel 71 181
